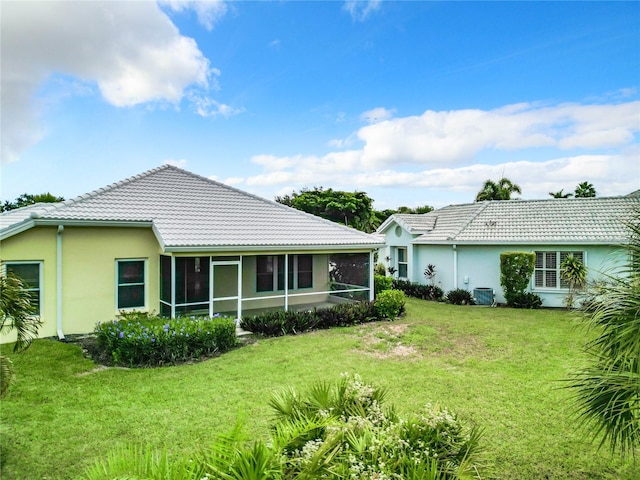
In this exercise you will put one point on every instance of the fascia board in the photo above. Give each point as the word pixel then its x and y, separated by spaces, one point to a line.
pixel 522 242
pixel 271 248
pixel 16 228
pixel 93 223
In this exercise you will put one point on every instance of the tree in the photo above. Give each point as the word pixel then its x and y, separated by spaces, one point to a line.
pixel 560 194
pixel 15 313
pixel 29 199
pixel 352 209
pixel 585 190
pixel 607 392
pixel 500 190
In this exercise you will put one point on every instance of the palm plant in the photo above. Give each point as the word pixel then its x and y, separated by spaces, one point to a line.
pixel 607 392
pixel 560 194
pixel 15 314
pixel 500 190
pixel 573 271
pixel 585 190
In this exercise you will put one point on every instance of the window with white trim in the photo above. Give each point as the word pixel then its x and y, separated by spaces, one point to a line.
pixel 547 268
pixel 403 264
pixel 131 285
pixel 270 272
pixel 31 275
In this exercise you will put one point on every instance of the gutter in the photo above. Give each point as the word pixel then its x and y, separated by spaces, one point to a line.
pixel 274 248
pixel 59 282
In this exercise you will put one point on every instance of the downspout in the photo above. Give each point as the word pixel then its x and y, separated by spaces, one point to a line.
pixel 455 266
pixel 371 278
pixel 59 282
pixel 286 282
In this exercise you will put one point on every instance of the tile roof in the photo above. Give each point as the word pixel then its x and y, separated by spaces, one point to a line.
pixel 188 210
pixel 599 220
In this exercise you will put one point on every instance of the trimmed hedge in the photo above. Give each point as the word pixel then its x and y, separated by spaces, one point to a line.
pixel 280 322
pixel 141 339
pixel 418 290
pixel 382 283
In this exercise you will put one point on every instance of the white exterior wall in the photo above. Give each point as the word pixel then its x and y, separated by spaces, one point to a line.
pixel 441 256
pixel 393 241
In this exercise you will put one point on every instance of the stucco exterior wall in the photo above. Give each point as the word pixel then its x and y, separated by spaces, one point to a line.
pixel 36 244
pixel 478 266
pixel 396 236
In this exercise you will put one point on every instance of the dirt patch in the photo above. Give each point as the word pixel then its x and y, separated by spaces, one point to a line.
pixel 385 341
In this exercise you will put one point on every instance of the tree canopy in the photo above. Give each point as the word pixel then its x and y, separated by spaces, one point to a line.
pixel 560 194
pixel 585 190
pixel 29 199
pixel 354 209
pixel 500 190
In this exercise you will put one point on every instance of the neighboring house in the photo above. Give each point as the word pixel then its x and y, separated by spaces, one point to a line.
pixel 464 242
pixel 177 243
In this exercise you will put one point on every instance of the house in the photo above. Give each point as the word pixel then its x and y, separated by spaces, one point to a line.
pixel 464 242
pixel 176 243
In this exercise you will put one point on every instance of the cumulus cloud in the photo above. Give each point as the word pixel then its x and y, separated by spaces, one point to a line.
pixel 361 9
pixel 130 50
pixel 442 151
pixel 209 12
pixel 376 115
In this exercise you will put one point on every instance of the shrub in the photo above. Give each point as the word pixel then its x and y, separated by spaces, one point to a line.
pixel 418 290
pixel 382 283
pixel 574 272
pixel 380 269
pixel 390 304
pixel 526 300
pixel 516 269
pixel 280 322
pixel 460 296
pixel 140 339
pixel 333 430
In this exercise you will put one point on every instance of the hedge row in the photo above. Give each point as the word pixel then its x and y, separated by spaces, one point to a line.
pixel 389 304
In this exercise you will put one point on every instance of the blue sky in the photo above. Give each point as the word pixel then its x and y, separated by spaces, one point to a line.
pixel 412 102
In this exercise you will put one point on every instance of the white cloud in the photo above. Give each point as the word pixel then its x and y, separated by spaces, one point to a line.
pixel 208 107
pixel 439 151
pixel 361 9
pixel 209 12
pixel 130 50
pixel 233 181
pixel 376 115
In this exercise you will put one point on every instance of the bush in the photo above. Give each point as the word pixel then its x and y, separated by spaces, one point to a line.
pixel 382 283
pixel 526 300
pixel 141 339
pixel 460 296
pixel 516 269
pixel 390 304
pixel 333 430
pixel 280 322
pixel 380 269
pixel 418 290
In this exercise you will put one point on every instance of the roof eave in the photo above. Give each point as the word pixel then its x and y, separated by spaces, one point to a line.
pixel 269 248
pixel 16 228
pixel 70 222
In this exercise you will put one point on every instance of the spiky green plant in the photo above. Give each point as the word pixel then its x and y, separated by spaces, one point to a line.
pixel 607 392
pixel 15 314
pixel 574 272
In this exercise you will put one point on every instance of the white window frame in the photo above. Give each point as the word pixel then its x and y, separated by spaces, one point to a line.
pixel 296 272
pixel 559 254
pixel 404 263
pixel 40 289
pixel 145 284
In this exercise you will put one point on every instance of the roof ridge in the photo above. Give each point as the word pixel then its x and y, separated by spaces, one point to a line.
pixel 265 200
pixel 112 186
pixel 472 217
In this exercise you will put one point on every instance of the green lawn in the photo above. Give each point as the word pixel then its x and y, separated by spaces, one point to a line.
pixel 500 368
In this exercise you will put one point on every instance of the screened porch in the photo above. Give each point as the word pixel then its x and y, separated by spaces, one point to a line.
pixel 237 285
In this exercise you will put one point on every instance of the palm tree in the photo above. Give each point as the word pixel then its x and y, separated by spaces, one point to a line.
pixel 500 190
pixel 560 194
pixel 585 190
pixel 15 313
pixel 607 392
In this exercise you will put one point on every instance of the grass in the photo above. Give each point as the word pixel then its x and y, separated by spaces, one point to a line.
pixel 500 368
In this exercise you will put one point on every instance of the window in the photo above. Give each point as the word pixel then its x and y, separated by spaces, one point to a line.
pixel 131 284
pixel 547 268
pixel 29 273
pixel 403 265
pixel 270 272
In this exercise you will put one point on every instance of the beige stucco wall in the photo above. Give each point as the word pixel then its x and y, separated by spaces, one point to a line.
pixel 89 257
pixel 36 244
